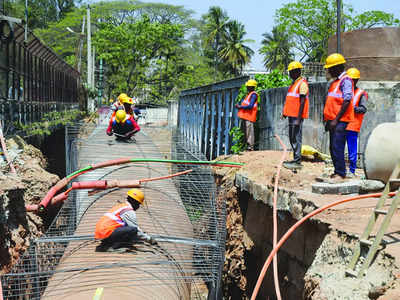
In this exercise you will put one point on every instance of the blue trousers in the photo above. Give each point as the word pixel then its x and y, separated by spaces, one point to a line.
pixel 352 143
pixel 337 143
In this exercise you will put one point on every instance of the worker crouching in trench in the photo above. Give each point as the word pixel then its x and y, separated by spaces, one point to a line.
pixel 123 126
pixel 118 229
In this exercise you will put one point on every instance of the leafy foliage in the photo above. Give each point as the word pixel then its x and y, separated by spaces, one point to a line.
pixel 234 51
pixel 276 49
pixel 239 144
pixel 224 43
pixel 274 79
pixel 50 121
pixel 310 23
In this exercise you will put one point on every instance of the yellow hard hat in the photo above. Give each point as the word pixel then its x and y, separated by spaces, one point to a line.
pixel 127 100
pixel 122 96
pixel 120 116
pixel 136 194
pixel 334 60
pixel 251 82
pixel 294 65
pixel 353 73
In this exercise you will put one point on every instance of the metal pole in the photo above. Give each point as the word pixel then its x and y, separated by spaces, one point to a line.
pixel 89 50
pixel 26 21
pixel 100 84
pixel 81 45
pixel 93 66
pixel 338 30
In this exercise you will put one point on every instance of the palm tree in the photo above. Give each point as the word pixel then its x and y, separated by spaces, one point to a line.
pixel 234 52
pixel 276 49
pixel 216 22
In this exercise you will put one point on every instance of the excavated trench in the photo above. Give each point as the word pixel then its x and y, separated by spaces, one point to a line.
pixel 311 263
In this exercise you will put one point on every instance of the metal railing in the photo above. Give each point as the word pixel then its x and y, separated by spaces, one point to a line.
pixel 33 79
pixel 207 114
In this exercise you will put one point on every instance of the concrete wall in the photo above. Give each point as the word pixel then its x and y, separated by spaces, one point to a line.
pixel 383 106
pixel 374 51
pixel 173 113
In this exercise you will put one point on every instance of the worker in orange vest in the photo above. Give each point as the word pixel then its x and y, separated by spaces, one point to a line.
pixel 296 109
pixel 353 128
pixel 118 229
pixel 248 113
pixel 338 112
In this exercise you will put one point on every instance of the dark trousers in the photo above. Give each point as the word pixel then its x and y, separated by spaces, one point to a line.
pixel 296 138
pixel 337 143
pixel 121 237
pixel 352 143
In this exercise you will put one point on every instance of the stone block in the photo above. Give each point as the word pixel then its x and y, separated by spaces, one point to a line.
pixel 345 188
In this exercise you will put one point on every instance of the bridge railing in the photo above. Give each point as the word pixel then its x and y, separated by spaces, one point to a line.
pixel 33 79
pixel 206 115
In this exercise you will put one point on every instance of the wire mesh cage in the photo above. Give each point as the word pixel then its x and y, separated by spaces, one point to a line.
pixel 181 213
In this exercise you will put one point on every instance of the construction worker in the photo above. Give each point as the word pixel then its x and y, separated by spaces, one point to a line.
pixel 353 128
pixel 338 112
pixel 122 125
pixel 296 109
pixel 119 103
pixel 248 113
pixel 118 227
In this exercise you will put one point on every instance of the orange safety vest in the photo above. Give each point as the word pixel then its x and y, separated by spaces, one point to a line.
pixel 292 103
pixel 356 124
pixel 248 114
pixel 111 220
pixel 334 102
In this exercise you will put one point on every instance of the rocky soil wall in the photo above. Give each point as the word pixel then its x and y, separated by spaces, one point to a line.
pixel 311 263
pixel 29 185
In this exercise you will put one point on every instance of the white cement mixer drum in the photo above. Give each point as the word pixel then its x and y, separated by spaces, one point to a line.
pixel 382 151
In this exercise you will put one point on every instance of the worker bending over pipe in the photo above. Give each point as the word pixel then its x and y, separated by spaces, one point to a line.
pixel 118 229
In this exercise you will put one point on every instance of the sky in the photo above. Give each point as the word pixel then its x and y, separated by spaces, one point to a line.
pixel 258 15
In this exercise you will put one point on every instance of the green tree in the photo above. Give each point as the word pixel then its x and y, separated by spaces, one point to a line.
pixel 276 49
pixel 215 26
pixel 234 52
pixel 373 18
pixel 312 22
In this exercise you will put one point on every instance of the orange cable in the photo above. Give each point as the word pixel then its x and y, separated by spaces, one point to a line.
pixel 165 177
pixel 275 220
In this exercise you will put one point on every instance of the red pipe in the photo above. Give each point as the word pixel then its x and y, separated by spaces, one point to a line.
pixel 51 193
pixel 85 185
pixel 96 185
pixel 295 226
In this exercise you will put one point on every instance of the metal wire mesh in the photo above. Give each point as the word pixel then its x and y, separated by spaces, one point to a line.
pixel 181 213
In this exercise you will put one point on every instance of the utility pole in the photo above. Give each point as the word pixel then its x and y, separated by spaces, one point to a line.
pixel 339 27
pixel 89 50
pixel 81 45
pixel 93 66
